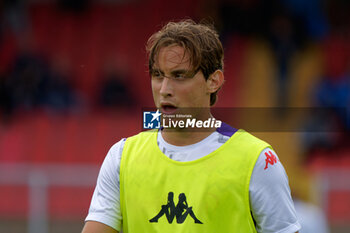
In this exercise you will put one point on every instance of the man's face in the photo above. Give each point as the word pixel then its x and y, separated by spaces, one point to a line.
pixel 180 88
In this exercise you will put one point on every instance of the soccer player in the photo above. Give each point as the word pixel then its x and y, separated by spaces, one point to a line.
pixel 184 180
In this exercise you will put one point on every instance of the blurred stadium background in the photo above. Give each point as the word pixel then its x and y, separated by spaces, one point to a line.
pixel 73 80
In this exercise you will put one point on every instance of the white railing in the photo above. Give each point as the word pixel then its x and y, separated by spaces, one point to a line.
pixel 38 178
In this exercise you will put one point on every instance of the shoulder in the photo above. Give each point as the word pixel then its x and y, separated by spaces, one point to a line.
pixel 117 148
pixel 239 134
pixel 111 162
pixel 250 138
pixel 270 197
pixel 268 172
pixel 248 144
pixel 140 140
pixel 142 134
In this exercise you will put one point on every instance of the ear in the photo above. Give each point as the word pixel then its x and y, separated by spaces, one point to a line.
pixel 215 81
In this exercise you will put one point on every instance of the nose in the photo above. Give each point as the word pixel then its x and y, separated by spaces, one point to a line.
pixel 166 88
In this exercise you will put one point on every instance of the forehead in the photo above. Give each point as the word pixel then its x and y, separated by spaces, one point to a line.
pixel 171 57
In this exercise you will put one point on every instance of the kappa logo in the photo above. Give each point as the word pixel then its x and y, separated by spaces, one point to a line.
pixel 180 211
pixel 270 159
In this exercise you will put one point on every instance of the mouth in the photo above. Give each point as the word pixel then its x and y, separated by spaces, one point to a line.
pixel 167 108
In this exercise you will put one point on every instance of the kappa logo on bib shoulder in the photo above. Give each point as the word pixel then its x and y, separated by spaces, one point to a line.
pixel 270 159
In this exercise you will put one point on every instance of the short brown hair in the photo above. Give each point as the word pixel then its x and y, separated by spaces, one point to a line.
pixel 201 41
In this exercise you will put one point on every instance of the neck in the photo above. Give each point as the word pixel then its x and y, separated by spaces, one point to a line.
pixel 183 137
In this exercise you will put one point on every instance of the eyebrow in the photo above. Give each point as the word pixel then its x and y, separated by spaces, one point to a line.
pixel 173 72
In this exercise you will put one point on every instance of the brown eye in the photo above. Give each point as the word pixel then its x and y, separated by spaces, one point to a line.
pixel 179 76
pixel 156 74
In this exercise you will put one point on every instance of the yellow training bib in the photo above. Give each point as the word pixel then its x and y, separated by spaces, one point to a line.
pixel 208 195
